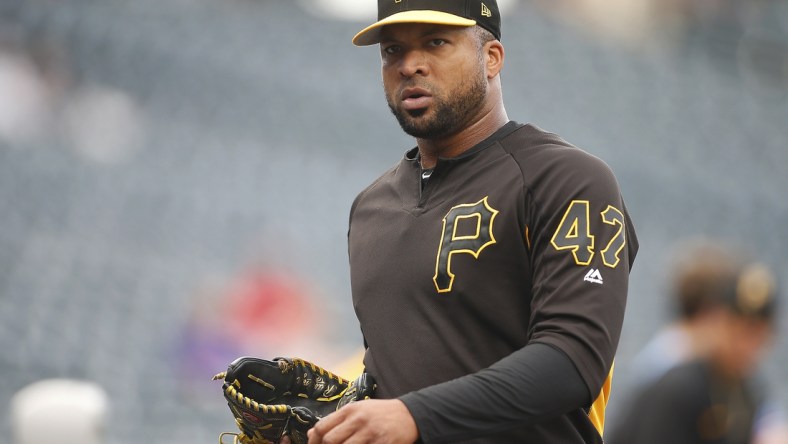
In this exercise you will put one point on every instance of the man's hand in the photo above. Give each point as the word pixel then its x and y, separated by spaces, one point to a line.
pixel 379 421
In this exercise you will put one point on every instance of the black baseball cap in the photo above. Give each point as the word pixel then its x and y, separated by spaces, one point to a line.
pixel 441 12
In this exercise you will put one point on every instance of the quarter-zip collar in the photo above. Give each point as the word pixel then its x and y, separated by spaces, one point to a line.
pixel 426 188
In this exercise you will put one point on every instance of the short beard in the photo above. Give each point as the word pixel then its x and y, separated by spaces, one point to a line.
pixel 449 115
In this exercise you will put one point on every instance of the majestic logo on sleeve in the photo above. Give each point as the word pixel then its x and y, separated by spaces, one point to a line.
pixel 594 276
pixel 467 229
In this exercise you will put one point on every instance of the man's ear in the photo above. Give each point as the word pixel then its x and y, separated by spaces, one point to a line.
pixel 494 54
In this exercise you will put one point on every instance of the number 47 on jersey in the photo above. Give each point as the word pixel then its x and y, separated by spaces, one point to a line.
pixel 574 234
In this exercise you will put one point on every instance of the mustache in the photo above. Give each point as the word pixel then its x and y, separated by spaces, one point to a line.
pixel 413 84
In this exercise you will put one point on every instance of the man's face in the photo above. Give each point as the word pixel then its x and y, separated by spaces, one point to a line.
pixel 433 76
pixel 742 342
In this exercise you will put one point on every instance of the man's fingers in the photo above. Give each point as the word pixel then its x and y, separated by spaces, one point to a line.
pixel 325 425
pixel 372 421
pixel 285 440
pixel 340 427
pixel 332 428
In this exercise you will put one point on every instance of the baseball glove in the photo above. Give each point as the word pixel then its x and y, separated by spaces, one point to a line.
pixel 271 399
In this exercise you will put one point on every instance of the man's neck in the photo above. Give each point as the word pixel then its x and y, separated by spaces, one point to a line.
pixel 455 144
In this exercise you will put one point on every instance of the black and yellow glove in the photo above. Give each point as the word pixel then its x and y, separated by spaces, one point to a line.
pixel 271 399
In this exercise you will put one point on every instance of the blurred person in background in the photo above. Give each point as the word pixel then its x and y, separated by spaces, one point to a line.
pixel 698 379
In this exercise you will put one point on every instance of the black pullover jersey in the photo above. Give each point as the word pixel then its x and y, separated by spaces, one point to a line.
pixel 522 239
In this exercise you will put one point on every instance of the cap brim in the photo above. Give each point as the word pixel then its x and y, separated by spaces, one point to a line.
pixel 371 34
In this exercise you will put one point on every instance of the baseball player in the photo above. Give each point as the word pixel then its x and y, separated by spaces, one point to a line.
pixel 709 393
pixel 489 266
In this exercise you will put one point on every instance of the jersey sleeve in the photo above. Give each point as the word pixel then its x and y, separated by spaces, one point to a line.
pixel 582 245
pixel 535 383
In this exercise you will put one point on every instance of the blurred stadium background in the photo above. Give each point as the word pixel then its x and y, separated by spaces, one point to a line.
pixel 175 176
